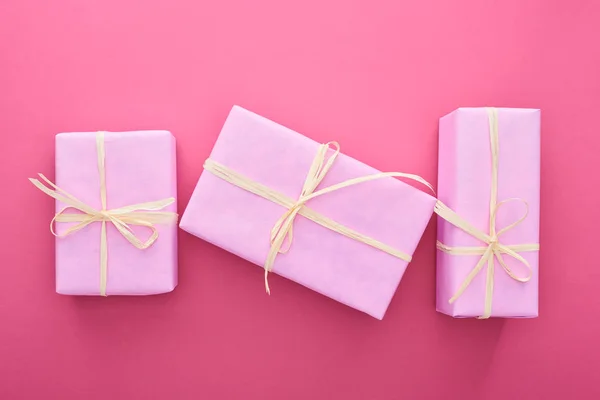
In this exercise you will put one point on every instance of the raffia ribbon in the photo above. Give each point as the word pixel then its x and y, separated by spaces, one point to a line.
pixel 282 231
pixel 142 214
pixel 493 249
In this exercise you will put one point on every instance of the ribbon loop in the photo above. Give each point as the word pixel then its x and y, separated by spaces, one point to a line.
pixel 143 214
pixel 494 249
pixel 518 221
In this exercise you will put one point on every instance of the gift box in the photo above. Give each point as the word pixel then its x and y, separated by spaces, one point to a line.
pixel 283 201
pixel 116 221
pixel 488 228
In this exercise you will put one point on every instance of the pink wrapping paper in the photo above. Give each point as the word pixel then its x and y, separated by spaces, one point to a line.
pixel 464 186
pixel 350 272
pixel 140 167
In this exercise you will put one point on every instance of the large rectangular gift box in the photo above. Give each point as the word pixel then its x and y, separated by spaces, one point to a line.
pixel 135 174
pixel 274 158
pixel 488 229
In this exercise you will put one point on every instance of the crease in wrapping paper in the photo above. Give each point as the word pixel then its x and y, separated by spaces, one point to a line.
pixel 139 166
pixel 464 186
pixel 325 261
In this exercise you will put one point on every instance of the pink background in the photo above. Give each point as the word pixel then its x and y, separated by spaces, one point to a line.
pixel 375 77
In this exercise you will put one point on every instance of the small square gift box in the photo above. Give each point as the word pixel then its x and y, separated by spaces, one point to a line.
pixel 308 212
pixel 116 220
pixel 489 210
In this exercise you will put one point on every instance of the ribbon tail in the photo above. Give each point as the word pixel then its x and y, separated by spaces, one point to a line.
pixel 269 265
pixel 276 243
pixel 368 178
pixel 281 225
pixel 61 195
pixel 287 243
pixel 267 288
pixel 288 228
pixel 465 284
pixel 269 262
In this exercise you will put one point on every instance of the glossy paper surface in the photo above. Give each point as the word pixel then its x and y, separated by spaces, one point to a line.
pixel 351 272
pixel 464 186
pixel 140 167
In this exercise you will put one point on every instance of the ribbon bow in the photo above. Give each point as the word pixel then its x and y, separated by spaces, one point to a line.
pixel 142 214
pixel 494 249
pixel 283 228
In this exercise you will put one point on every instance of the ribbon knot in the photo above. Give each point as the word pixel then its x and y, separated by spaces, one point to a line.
pixel 105 215
pixel 494 249
pixel 142 214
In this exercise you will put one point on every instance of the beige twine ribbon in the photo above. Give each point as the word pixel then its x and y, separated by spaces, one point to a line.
pixel 283 228
pixel 142 214
pixel 494 248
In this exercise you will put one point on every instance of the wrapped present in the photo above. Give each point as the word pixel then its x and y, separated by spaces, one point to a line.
pixel 116 221
pixel 488 231
pixel 307 212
